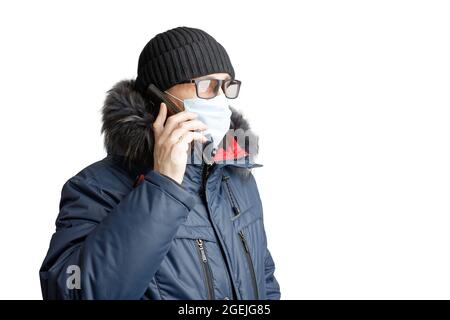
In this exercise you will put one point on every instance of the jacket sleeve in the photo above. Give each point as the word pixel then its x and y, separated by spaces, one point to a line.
pixel 105 250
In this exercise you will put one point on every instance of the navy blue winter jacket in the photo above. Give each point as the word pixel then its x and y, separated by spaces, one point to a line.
pixel 121 237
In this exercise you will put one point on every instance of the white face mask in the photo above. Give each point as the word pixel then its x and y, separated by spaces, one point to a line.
pixel 214 112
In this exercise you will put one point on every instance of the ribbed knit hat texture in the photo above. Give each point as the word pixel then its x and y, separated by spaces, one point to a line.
pixel 180 54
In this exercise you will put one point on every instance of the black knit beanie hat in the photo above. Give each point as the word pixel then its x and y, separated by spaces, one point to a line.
pixel 180 54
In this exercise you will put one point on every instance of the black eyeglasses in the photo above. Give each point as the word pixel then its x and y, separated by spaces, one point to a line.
pixel 207 88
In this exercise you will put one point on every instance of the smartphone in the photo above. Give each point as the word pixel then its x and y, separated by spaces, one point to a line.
pixel 172 108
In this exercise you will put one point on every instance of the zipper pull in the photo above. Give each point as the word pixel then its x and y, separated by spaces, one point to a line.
pixel 241 234
pixel 202 250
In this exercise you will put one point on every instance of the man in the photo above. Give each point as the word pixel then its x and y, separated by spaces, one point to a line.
pixel 147 221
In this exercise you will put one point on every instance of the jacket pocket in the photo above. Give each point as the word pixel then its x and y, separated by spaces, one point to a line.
pixel 241 216
pixel 251 266
pixel 207 273
pixel 233 200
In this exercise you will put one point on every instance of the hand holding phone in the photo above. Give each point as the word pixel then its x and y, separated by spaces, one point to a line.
pixel 172 141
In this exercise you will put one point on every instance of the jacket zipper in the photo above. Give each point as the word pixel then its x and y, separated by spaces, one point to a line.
pixel 234 205
pixel 206 269
pixel 250 264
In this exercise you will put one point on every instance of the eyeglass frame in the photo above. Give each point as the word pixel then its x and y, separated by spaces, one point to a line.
pixel 221 83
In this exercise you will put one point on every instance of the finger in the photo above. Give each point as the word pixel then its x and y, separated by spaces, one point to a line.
pixel 188 137
pixel 173 121
pixel 191 125
pixel 158 124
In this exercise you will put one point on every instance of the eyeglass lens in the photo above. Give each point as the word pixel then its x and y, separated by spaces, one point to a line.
pixel 208 88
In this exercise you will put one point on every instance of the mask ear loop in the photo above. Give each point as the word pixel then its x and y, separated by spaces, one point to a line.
pixel 173 96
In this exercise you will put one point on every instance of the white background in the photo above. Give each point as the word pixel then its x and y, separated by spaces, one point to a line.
pixel 350 100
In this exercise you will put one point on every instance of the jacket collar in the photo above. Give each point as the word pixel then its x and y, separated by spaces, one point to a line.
pixel 127 127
